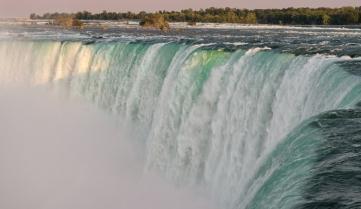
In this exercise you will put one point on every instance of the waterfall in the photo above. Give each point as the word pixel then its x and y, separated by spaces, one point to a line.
pixel 208 117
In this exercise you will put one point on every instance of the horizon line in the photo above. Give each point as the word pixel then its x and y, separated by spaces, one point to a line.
pixel 178 10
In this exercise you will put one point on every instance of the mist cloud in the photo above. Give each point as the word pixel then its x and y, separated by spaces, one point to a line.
pixel 68 155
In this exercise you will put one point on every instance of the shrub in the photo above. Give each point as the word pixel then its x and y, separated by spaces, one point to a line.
pixel 68 21
pixel 155 21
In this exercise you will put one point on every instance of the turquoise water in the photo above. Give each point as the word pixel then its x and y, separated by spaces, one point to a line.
pixel 243 124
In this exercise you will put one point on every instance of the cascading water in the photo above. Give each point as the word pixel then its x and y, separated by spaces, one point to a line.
pixel 242 124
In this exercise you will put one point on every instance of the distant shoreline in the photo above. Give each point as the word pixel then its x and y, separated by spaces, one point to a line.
pixel 286 16
pixel 27 22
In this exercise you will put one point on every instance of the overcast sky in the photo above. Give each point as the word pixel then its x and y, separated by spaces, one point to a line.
pixel 22 8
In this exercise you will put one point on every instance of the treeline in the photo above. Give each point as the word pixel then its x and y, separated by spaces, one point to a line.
pixel 295 16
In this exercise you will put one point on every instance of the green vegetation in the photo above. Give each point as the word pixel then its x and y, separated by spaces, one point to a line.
pixel 289 16
pixel 67 21
pixel 307 16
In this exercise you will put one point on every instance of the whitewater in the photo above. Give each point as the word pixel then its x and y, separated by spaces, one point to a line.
pixel 254 119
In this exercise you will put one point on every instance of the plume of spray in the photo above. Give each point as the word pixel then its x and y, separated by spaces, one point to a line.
pixel 59 154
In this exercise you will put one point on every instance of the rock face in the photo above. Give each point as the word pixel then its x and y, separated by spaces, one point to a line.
pixel 155 21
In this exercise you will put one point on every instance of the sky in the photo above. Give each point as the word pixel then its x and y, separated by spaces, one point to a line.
pixel 22 8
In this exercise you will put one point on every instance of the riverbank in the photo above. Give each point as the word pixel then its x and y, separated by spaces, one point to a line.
pixel 106 24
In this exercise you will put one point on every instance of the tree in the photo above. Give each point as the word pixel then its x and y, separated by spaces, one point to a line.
pixel 33 16
pixel 155 21
pixel 67 21
pixel 326 19
pixel 299 16
pixel 250 18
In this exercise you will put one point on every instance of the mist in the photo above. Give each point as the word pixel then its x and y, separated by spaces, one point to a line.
pixel 62 154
